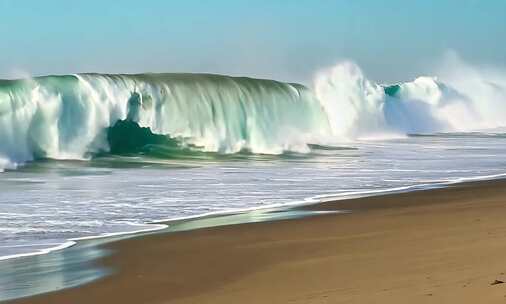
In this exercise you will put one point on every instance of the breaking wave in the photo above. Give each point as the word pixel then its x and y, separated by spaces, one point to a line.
pixel 79 116
pixel 463 99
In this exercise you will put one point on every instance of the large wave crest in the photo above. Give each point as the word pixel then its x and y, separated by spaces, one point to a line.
pixel 65 117
pixel 78 116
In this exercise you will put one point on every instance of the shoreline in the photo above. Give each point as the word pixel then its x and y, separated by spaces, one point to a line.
pixel 318 199
pixel 163 223
pixel 364 213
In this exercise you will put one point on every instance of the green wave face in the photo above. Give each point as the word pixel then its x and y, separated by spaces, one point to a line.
pixel 77 116
pixel 392 90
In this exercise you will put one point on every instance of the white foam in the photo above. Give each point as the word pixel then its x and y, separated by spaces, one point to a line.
pixel 73 241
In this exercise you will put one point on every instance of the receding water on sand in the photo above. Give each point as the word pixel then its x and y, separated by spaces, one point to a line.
pixel 76 265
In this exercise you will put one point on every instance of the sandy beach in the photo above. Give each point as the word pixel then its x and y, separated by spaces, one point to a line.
pixel 435 246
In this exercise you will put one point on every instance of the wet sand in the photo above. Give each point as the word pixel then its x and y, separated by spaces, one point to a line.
pixel 436 246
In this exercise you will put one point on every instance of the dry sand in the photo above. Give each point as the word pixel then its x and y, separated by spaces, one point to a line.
pixel 437 246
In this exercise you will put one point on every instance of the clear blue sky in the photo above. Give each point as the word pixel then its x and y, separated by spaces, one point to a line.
pixel 282 39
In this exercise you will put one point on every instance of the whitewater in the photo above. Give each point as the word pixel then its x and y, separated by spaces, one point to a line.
pixel 94 154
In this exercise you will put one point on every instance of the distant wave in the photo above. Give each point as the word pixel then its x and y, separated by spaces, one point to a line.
pixel 465 100
pixel 79 116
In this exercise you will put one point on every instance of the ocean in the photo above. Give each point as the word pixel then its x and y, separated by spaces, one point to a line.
pixel 95 154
